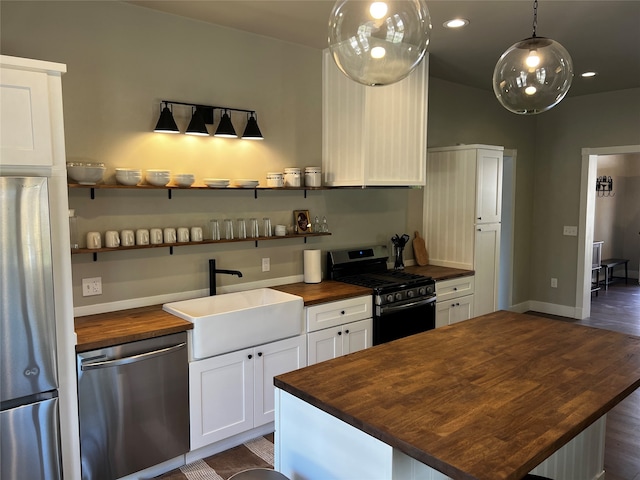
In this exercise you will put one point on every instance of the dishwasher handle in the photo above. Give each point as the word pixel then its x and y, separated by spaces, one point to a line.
pixel 132 359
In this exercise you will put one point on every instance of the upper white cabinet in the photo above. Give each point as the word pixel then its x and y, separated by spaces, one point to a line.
pixel 374 135
pixel 31 112
pixel 463 191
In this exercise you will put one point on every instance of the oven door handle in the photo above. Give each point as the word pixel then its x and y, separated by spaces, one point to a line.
pixel 406 306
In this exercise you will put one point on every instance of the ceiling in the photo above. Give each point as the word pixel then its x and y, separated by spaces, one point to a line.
pixel 600 35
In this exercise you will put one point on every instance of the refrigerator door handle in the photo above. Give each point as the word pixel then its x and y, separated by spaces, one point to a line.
pixel 132 359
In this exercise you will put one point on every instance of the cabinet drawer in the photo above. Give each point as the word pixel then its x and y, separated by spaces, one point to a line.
pixel 454 288
pixel 331 314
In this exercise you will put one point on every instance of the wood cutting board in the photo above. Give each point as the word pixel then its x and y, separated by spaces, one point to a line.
pixel 420 250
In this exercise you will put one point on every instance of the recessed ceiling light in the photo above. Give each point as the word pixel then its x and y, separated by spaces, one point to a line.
pixel 456 23
pixel 588 74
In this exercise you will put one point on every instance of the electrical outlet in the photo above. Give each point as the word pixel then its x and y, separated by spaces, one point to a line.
pixel 266 264
pixel 554 283
pixel 571 231
pixel 91 286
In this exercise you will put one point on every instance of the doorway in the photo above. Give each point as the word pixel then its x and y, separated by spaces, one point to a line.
pixel 507 220
pixel 587 219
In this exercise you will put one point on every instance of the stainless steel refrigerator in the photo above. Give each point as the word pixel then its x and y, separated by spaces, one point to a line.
pixel 29 418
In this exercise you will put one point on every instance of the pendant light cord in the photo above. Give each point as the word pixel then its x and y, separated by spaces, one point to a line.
pixel 535 17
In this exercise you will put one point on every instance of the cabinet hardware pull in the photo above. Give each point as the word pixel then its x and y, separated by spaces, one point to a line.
pixel 339 333
pixel 346 331
pixel 249 356
pixel 342 312
pixel 259 354
pixel 453 304
pixel 455 289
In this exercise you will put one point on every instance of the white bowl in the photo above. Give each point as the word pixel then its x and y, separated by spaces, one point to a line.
pixel 86 174
pixel 128 176
pixel 245 183
pixel 158 178
pixel 184 179
pixel 216 182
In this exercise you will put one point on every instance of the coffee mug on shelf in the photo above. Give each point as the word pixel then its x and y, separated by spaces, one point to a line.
pixel 183 234
pixel 127 238
pixel 196 234
pixel 142 236
pixel 169 235
pixel 112 239
pixel 94 240
pixel 155 236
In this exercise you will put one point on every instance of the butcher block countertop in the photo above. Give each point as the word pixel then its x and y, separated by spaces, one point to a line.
pixel 108 329
pixel 488 398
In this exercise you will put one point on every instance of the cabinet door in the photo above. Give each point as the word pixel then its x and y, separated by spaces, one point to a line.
pixel 373 136
pixel 324 345
pixel 454 311
pixel 357 336
pixel 487 268
pixel 270 360
pixel 221 397
pixel 333 314
pixel 25 130
pixel 489 186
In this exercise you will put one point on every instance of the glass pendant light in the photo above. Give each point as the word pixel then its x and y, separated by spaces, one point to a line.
pixel 225 128
pixel 197 125
pixel 166 123
pixel 533 75
pixel 378 43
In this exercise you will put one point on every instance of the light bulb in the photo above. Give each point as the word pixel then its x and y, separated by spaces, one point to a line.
pixel 378 10
pixel 533 60
pixel 378 43
pixel 530 90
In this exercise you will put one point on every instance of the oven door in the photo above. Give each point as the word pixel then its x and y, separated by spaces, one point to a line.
pixel 401 320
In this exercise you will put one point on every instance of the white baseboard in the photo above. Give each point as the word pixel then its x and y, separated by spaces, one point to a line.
pixel 520 307
pixel 228 443
pixel 553 309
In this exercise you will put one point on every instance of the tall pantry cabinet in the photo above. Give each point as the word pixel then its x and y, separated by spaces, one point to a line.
pixel 462 209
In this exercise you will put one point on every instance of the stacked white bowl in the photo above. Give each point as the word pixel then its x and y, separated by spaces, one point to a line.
pixel 128 176
pixel 158 178
pixel 184 180
pixel 85 173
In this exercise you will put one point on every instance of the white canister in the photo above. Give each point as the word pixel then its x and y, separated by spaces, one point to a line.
pixel 292 177
pixel 313 177
pixel 275 179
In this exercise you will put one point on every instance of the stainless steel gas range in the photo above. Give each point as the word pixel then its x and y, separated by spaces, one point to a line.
pixel 404 303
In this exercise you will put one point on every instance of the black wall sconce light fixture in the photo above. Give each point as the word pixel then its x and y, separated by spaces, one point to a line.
pixel 604 187
pixel 203 115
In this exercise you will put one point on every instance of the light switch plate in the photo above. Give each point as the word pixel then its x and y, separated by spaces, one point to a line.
pixel 571 231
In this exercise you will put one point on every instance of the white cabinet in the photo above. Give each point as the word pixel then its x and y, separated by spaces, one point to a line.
pixel 462 211
pixel 487 268
pixel 373 135
pixel 233 393
pixel 338 328
pixel 455 300
pixel 31 96
pixel 337 341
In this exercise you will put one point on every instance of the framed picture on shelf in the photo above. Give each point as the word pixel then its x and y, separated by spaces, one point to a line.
pixel 301 221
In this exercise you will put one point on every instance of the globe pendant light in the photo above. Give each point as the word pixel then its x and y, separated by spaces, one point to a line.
pixel 378 43
pixel 533 75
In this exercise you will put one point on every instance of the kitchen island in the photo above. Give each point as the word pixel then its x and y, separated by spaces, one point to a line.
pixel 490 398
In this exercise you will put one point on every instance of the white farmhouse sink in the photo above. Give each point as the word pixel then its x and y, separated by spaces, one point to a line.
pixel 228 322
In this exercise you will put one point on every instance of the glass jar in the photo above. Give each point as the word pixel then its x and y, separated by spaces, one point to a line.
pixel 73 229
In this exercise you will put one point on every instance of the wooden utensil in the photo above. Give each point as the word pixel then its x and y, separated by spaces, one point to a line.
pixel 420 250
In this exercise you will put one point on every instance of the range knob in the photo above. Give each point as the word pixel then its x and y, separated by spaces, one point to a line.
pixel 389 297
pixel 399 296
pixel 411 294
pixel 422 291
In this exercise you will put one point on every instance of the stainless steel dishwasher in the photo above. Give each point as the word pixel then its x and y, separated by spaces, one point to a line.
pixel 134 406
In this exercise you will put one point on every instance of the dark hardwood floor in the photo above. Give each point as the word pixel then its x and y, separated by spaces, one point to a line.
pixel 618 309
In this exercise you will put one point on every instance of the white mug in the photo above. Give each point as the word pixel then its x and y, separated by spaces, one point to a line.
pixel 94 240
pixel 183 234
pixel 196 234
pixel 155 236
pixel 112 239
pixel 142 236
pixel 169 235
pixel 127 238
